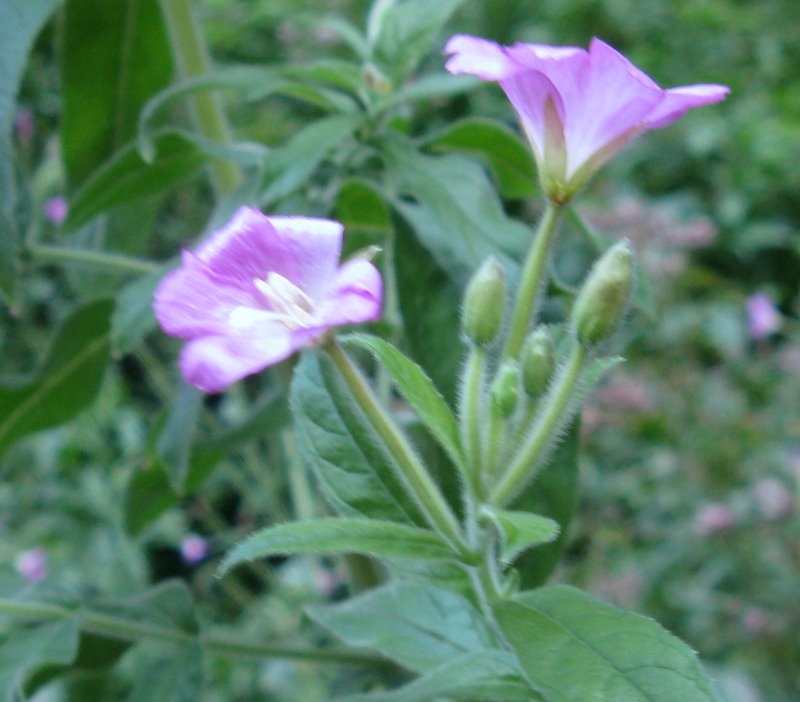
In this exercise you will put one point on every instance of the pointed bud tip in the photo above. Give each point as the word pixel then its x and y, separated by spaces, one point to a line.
pixel 604 297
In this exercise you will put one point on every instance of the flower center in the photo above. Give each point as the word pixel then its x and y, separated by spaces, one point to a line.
pixel 289 303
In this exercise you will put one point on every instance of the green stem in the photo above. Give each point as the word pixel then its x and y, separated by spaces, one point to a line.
pixel 191 56
pixel 129 630
pixel 532 281
pixel 470 416
pixel 494 436
pixel 100 259
pixel 542 435
pixel 416 477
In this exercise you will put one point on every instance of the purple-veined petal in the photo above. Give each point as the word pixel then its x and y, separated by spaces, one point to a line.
pixel 677 101
pixel 304 250
pixel 190 301
pixel 355 296
pixel 614 100
pixel 212 363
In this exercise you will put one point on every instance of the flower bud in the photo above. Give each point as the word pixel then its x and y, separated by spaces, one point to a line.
pixel 538 362
pixel 603 299
pixel 505 389
pixel 484 303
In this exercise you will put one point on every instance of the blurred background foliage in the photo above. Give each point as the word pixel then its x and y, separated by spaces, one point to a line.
pixel 691 462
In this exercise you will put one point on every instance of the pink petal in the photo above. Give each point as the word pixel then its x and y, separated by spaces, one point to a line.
pixel 677 101
pixel 612 100
pixel 190 301
pixel 479 57
pixel 212 363
pixel 355 296
pixel 303 250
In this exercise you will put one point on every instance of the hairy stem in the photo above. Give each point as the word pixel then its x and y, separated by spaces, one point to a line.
pixel 551 417
pixel 470 417
pixel 532 281
pixel 420 484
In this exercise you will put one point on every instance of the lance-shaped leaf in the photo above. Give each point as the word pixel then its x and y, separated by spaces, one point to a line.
pixel 520 530
pixel 340 535
pixel 68 380
pixel 486 676
pixel 356 473
pixel 575 648
pixel 418 626
pixel 419 391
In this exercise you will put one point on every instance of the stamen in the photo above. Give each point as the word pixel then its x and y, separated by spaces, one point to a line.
pixel 290 304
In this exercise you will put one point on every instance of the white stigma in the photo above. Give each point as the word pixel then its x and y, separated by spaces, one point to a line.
pixel 289 303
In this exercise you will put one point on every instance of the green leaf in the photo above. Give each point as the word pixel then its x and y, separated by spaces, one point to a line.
pixel 172 674
pixel 20 22
pixel 430 305
pixel 575 648
pixel 126 176
pixel 28 651
pixel 167 606
pixel 149 493
pixel 133 318
pixel 520 530
pixel 418 626
pixel 340 535
pixel 434 86
pixel 457 216
pixel 67 381
pixel 355 472
pixel 174 442
pixel 292 164
pixel 115 55
pixel 554 494
pixel 487 676
pixel 405 33
pixel 363 212
pixel 507 156
pixel 419 390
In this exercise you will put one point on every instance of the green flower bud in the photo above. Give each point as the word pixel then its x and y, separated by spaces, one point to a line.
pixel 505 389
pixel 484 303
pixel 603 299
pixel 538 362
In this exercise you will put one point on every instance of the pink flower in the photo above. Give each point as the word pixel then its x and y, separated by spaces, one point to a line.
pixel 763 318
pixel 773 500
pixel 257 290
pixel 56 209
pixel 578 107
pixel 32 564
pixel 713 518
pixel 23 123
pixel 194 549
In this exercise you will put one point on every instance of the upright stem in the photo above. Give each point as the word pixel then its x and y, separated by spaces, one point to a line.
pixel 417 478
pixel 470 416
pixel 191 55
pixel 553 413
pixel 532 280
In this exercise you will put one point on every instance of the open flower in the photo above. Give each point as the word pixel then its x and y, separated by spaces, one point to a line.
pixel 258 289
pixel 577 107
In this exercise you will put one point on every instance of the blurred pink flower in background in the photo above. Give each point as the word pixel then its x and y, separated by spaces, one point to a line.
pixel 32 564
pixel 713 518
pixel 257 290
pixel 763 317
pixel 577 107
pixel 23 125
pixel 194 549
pixel 56 209
pixel 772 498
